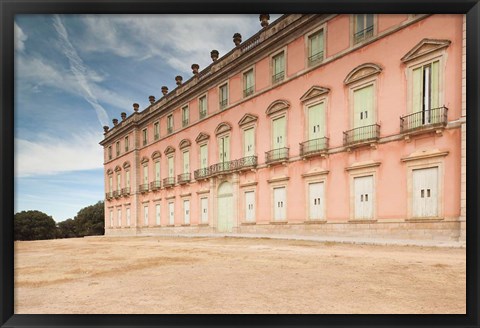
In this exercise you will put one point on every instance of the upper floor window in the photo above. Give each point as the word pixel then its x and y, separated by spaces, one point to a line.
pixel 278 65
pixel 185 116
pixel 315 47
pixel 156 130
pixel 110 152
pixel 145 136
pixel 170 123
pixel 223 96
pixel 117 148
pixel 248 83
pixel 202 106
pixel 126 143
pixel 363 27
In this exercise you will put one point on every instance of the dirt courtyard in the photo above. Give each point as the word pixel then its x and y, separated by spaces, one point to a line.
pixel 234 275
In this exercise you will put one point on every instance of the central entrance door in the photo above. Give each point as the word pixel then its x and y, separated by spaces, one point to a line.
pixel 225 207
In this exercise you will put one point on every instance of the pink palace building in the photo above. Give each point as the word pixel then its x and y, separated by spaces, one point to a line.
pixel 317 125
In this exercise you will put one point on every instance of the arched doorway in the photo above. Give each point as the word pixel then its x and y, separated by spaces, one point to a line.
pixel 225 207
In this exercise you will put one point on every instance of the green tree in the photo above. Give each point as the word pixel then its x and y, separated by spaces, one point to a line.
pixel 67 229
pixel 90 220
pixel 33 225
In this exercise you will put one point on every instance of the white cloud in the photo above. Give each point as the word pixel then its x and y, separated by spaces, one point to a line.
pixel 20 38
pixel 79 70
pixel 49 155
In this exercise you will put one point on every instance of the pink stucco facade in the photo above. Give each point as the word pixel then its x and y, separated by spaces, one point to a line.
pixel 412 173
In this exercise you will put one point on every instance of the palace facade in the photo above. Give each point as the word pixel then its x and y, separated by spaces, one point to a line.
pixel 317 125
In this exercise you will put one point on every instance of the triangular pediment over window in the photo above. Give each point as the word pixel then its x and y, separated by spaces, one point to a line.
pixel 202 136
pixel 313 92
pixel 184 143
pixel 223 127
pixel 277 106
pixel 361 72
pixel 169 150
pixel 424 47
pixel 156 154
pixel 247 118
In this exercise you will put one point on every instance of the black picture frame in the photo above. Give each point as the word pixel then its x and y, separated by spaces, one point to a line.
pixel 8 10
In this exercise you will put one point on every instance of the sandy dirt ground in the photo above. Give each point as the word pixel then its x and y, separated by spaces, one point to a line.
pixel 233 275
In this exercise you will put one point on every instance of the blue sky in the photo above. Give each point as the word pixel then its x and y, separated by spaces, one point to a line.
pixel 75 73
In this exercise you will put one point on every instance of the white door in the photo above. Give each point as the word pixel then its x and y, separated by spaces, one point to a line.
pixel 157 214
pixel 316 200
pixel 279 203
pixel 279 133
pixel 111 218
pixel 363 197
pixel 186 212
pixel 225 213
pixel 127 179
pixel 425 192
pixel 119 188
pixel 186 162
pixel 119 217
pixel 110 180
pixel 248 143
pixel 171 171
pixel 316 126
pixel 157 171
pixel 250 206
pixel 203 156
pixel 128 217
pixel 171 213
pixel 363 107
pixel 145 174
pixel 145 215
pixel 204 209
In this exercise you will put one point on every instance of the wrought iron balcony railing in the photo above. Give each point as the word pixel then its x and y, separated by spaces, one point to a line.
pixel 361 135
pixel 313 147
pixel 249 91
pixel 201 173
pixel 226 167
pixel 117 193
pixel 276 155
pixel 169 129
pixel 278 77
pixel 143 188
pixel 424 120
pixel 185 122
pixel 363 34
pixel 109 195
pixel 155 185
pixel 156 136
pixel 315 58
pixel 203 113
pixel 168 182
pixel 183 178
pixel 223 103
pixel 126 191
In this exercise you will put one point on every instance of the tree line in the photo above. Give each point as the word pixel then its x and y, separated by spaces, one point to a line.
pixel 36 225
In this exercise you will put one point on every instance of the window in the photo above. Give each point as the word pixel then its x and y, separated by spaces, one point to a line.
pixel 171 168
pixel 156 131
pixel 110 152
pixel 119 180
pixel 186 162
pixel 278 65
pixel 169 123
pixel 145 137
pixel 202 106
pixel 145 174
pixel 425 93
pixel 203 156
pixel 117 148
pixel 126 143
pixel 185 116
pixel 248 83
pixel 315 47
pixel 223 96
pixel 362 27
pixel 249 142
pixel 127 180
pixel 224 151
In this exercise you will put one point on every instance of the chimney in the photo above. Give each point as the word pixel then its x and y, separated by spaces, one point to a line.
pixel 195 68
pixel 135 107
pixel 115 122
pixel 214 55
pixel 105 129
pixel 124 116
pixel 179 79
pixel 164 90
pixel 151 99
pixel 264 19
pixel 237 39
